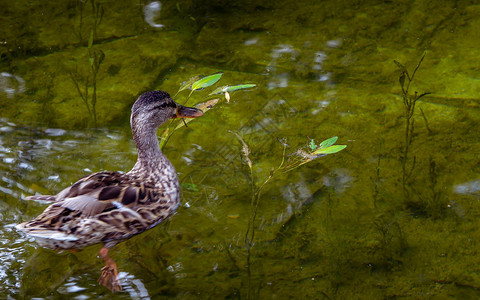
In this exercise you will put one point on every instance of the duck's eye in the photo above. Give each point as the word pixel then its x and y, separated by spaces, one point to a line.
pixel 168 104
pixel 164 105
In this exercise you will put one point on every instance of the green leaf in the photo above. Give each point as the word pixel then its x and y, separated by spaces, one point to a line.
pixel 232 88
pixel 206 81
pixel 312 145
pixel 328 142
pixel 241 87
pixel 329 150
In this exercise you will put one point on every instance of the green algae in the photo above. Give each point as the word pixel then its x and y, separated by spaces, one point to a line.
pixel 337 228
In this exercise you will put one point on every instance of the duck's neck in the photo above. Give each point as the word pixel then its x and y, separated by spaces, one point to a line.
pixel 150 157
pixel 147 146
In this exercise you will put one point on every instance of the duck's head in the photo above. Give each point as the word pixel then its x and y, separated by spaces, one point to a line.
pixel 154 108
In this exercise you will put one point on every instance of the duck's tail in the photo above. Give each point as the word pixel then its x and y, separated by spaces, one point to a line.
pixel 51 239
pixel 48 198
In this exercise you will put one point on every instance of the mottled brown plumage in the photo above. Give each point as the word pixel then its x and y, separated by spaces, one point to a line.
pixel 108 207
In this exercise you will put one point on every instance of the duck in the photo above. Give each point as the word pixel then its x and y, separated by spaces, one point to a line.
pixel 109 207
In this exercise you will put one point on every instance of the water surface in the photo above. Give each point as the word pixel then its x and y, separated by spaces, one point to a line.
pixel 350 225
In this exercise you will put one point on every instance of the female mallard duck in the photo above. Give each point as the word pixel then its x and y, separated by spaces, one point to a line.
pixel 108 207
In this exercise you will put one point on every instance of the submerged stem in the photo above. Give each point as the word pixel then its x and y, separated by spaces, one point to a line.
pixel 409 101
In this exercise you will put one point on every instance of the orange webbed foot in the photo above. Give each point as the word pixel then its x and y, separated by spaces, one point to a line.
pixel 109 277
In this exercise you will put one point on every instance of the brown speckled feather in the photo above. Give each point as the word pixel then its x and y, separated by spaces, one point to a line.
pixel 113 204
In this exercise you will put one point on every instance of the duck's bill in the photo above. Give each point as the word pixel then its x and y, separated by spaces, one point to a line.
pixel 187 112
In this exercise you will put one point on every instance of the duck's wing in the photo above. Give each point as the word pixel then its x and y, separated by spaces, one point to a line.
pixel 83 186
pixel 90 196
pixel 102 207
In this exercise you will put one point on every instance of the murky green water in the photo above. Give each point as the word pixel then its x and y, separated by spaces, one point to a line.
pixel 350 225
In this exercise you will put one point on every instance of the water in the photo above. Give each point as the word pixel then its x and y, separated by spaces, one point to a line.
pixel 343 226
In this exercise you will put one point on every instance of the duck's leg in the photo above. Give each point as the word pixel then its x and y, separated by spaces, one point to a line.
pixel 109 272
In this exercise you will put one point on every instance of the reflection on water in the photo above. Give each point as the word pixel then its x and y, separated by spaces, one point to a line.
pixel 30 146
pixel 76 288
pixel 11 84
pixel 152 12
pixel 11 255
pixel 280 79
pixel 133 286
pixel 338 179
pixel 21 148
pixel 283 55
pixel 251 42
pixel 469 188
pixel 343 227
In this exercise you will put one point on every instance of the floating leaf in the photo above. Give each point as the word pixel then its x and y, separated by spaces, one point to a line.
pixel 232 88
pixel 312 145
pixel 329 150
pixel 206 81
pixel 328 142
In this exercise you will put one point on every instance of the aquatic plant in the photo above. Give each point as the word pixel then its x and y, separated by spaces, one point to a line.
pixel 295 160
pixel 434 202
pixel 431 202
pixel 391 239
pixel 302 157
pixel 45 97
pixel 376 180
pixel 97 12
pixel 409 102
pixel 83 82
pixel 197 84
